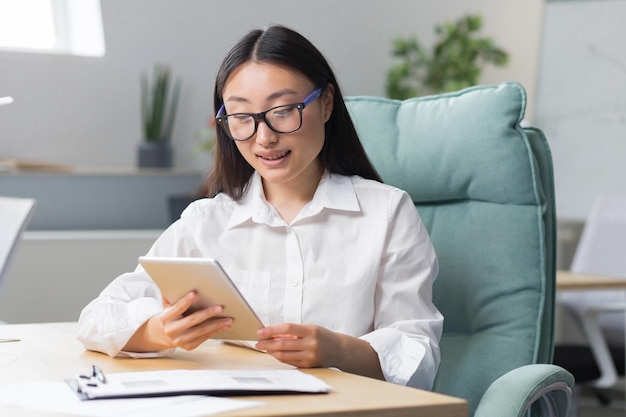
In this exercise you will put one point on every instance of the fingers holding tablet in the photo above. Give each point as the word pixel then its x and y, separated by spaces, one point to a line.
pixel 188 331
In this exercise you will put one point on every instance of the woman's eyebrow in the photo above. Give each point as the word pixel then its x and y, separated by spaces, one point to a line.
pixel 273 96
pixel 282 93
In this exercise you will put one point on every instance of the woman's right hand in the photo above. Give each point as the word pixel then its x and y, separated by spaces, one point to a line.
pixel 190 331
pixel 172 328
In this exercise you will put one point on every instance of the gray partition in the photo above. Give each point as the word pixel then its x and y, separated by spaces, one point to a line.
pixel 133 199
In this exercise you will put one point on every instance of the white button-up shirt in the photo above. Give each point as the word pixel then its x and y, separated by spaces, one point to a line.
pixel 357 260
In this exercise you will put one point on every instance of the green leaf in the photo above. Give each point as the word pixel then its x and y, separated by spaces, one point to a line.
pixel 157 111
pixel 455 60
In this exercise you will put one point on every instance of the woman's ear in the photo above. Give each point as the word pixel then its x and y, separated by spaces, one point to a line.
pixel 327 99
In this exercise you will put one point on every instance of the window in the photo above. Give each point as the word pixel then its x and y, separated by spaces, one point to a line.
pixel 71 27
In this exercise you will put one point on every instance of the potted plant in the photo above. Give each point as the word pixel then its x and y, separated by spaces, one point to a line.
pixel 455 62
pixel 158 111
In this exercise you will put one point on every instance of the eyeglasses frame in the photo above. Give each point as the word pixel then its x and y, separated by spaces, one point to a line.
pixel 221 115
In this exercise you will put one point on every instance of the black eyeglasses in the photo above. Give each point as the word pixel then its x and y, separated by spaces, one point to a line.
pixel 281 119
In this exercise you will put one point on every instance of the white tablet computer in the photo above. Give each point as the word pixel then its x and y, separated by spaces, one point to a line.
pixel 177 276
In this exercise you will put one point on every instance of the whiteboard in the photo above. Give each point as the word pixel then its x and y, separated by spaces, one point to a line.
pixel 581 100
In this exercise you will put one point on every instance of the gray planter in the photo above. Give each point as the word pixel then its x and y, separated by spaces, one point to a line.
pixel 154 155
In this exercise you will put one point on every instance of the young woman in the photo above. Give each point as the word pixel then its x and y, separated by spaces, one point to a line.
pixel 337 265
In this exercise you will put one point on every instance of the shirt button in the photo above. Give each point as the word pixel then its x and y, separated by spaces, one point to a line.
pixel 294 283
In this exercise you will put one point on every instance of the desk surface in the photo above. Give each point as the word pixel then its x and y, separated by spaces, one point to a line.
pixel 51 352
pixel 566 280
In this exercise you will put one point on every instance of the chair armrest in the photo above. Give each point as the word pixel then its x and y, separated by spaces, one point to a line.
pixel 513 393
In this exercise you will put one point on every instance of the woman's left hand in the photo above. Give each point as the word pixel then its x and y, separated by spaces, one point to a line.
pixel 304 346
pixel 309 346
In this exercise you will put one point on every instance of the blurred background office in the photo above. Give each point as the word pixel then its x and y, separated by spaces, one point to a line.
pixel 75 122
pixel 84 110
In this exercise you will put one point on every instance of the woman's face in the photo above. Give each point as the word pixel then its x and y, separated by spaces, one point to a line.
pixel 280 158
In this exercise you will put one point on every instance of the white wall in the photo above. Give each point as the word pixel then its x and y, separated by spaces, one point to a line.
pixel 55 274
pixel 85 111
pixel 581 104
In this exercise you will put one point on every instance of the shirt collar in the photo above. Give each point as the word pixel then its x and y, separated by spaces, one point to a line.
pixel 334 192
pixel 252 205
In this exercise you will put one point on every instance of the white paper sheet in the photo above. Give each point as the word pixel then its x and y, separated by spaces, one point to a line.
pixel 57 397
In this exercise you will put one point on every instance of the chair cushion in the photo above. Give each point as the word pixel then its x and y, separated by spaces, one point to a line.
pixel 423 138
pixel 470 169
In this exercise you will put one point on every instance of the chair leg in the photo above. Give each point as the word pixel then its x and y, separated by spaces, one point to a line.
pixel 602 398
pixel 600 349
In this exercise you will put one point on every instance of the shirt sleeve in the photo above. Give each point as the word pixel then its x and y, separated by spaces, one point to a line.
pixel 108 322
pixel 407 324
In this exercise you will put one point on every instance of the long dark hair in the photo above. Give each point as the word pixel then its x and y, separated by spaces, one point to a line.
pixel 342 152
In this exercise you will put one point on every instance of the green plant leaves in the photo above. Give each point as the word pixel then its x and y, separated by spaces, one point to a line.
pixel 455 61
pixel 157 116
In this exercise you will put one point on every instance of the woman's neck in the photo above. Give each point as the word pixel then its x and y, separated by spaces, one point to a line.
pixel 289 198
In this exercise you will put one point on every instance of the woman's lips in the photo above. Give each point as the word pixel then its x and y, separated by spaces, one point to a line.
pixel 273 158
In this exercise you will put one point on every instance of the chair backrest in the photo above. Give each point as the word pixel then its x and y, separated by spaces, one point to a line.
pixel 14 216
pixel 484 187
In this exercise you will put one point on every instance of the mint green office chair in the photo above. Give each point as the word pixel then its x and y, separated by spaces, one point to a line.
pixel 484 187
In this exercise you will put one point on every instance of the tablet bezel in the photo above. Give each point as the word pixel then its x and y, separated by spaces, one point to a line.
pixel 175 277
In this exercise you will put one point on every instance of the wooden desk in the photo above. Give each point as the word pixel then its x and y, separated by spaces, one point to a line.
pixel 566 280
pixel 50 351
